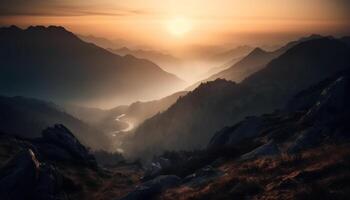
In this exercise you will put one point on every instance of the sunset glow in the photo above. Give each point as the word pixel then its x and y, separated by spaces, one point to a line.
pixel 148 23
pixel 178 26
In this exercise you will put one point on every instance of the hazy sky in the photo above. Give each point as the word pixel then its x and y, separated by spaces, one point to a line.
pixel 169 24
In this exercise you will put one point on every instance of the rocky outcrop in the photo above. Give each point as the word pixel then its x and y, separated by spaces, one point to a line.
pixel 155 167
pixel 24 177
pixel 328 118
pixel 202 176
pixel 319 114
pixel 59 143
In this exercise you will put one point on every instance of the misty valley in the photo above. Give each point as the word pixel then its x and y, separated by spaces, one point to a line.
pixel 88 117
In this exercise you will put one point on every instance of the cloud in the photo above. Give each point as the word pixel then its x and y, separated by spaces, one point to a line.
pixel 62 8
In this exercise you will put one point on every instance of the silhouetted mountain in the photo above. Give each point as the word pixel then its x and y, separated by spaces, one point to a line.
pixel 166 61
pixel 190 122
pixel 346 39
pixel 293 43
pixel 53 63
pixel 253 62
pixel 27 117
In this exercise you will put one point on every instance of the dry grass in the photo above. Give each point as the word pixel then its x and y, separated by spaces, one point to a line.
pixel 321 173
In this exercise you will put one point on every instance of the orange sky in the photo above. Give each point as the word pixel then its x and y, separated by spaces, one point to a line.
pixel 207 22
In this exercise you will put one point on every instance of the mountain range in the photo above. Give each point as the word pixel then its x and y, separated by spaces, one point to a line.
pixel 53 63
pixel 192 120
pixel 166 61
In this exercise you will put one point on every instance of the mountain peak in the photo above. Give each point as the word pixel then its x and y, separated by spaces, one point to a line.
pixel 257 51
pixel 311 37
pixel 10 28
pixel 124 49
pixel 42 30
pixel 217 83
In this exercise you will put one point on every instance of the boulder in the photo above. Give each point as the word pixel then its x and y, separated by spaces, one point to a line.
pixel 18 177
pixel 24 177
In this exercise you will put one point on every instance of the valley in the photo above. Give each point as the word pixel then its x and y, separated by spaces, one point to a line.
pixel 174 100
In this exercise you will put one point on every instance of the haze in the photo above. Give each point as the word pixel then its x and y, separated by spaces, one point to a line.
pixel 190 33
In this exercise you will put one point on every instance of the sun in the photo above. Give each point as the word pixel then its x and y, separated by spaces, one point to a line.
pixel 178 26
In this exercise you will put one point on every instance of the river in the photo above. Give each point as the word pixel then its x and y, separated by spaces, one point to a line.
pixel 128 128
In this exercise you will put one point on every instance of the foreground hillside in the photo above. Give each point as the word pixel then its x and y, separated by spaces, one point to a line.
pixel 53 63
pixel 56 166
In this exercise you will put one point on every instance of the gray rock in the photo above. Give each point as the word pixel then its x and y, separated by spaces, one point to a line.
pixel 326 118
pixel 332 102
pixel 155 167
pixel 268 149
pixel 24 177
pixel 202 176
pixel 306 139
pixel 17 178
pixel 155 186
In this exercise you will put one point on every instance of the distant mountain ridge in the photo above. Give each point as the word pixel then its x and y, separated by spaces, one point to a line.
pixel 166 61
pixel 102 42
pixel 253 62
pixel 53 63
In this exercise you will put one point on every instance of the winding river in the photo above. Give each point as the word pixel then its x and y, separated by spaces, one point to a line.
pixel 128 128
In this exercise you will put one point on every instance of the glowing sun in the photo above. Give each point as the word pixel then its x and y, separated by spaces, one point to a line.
pixel 178 26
